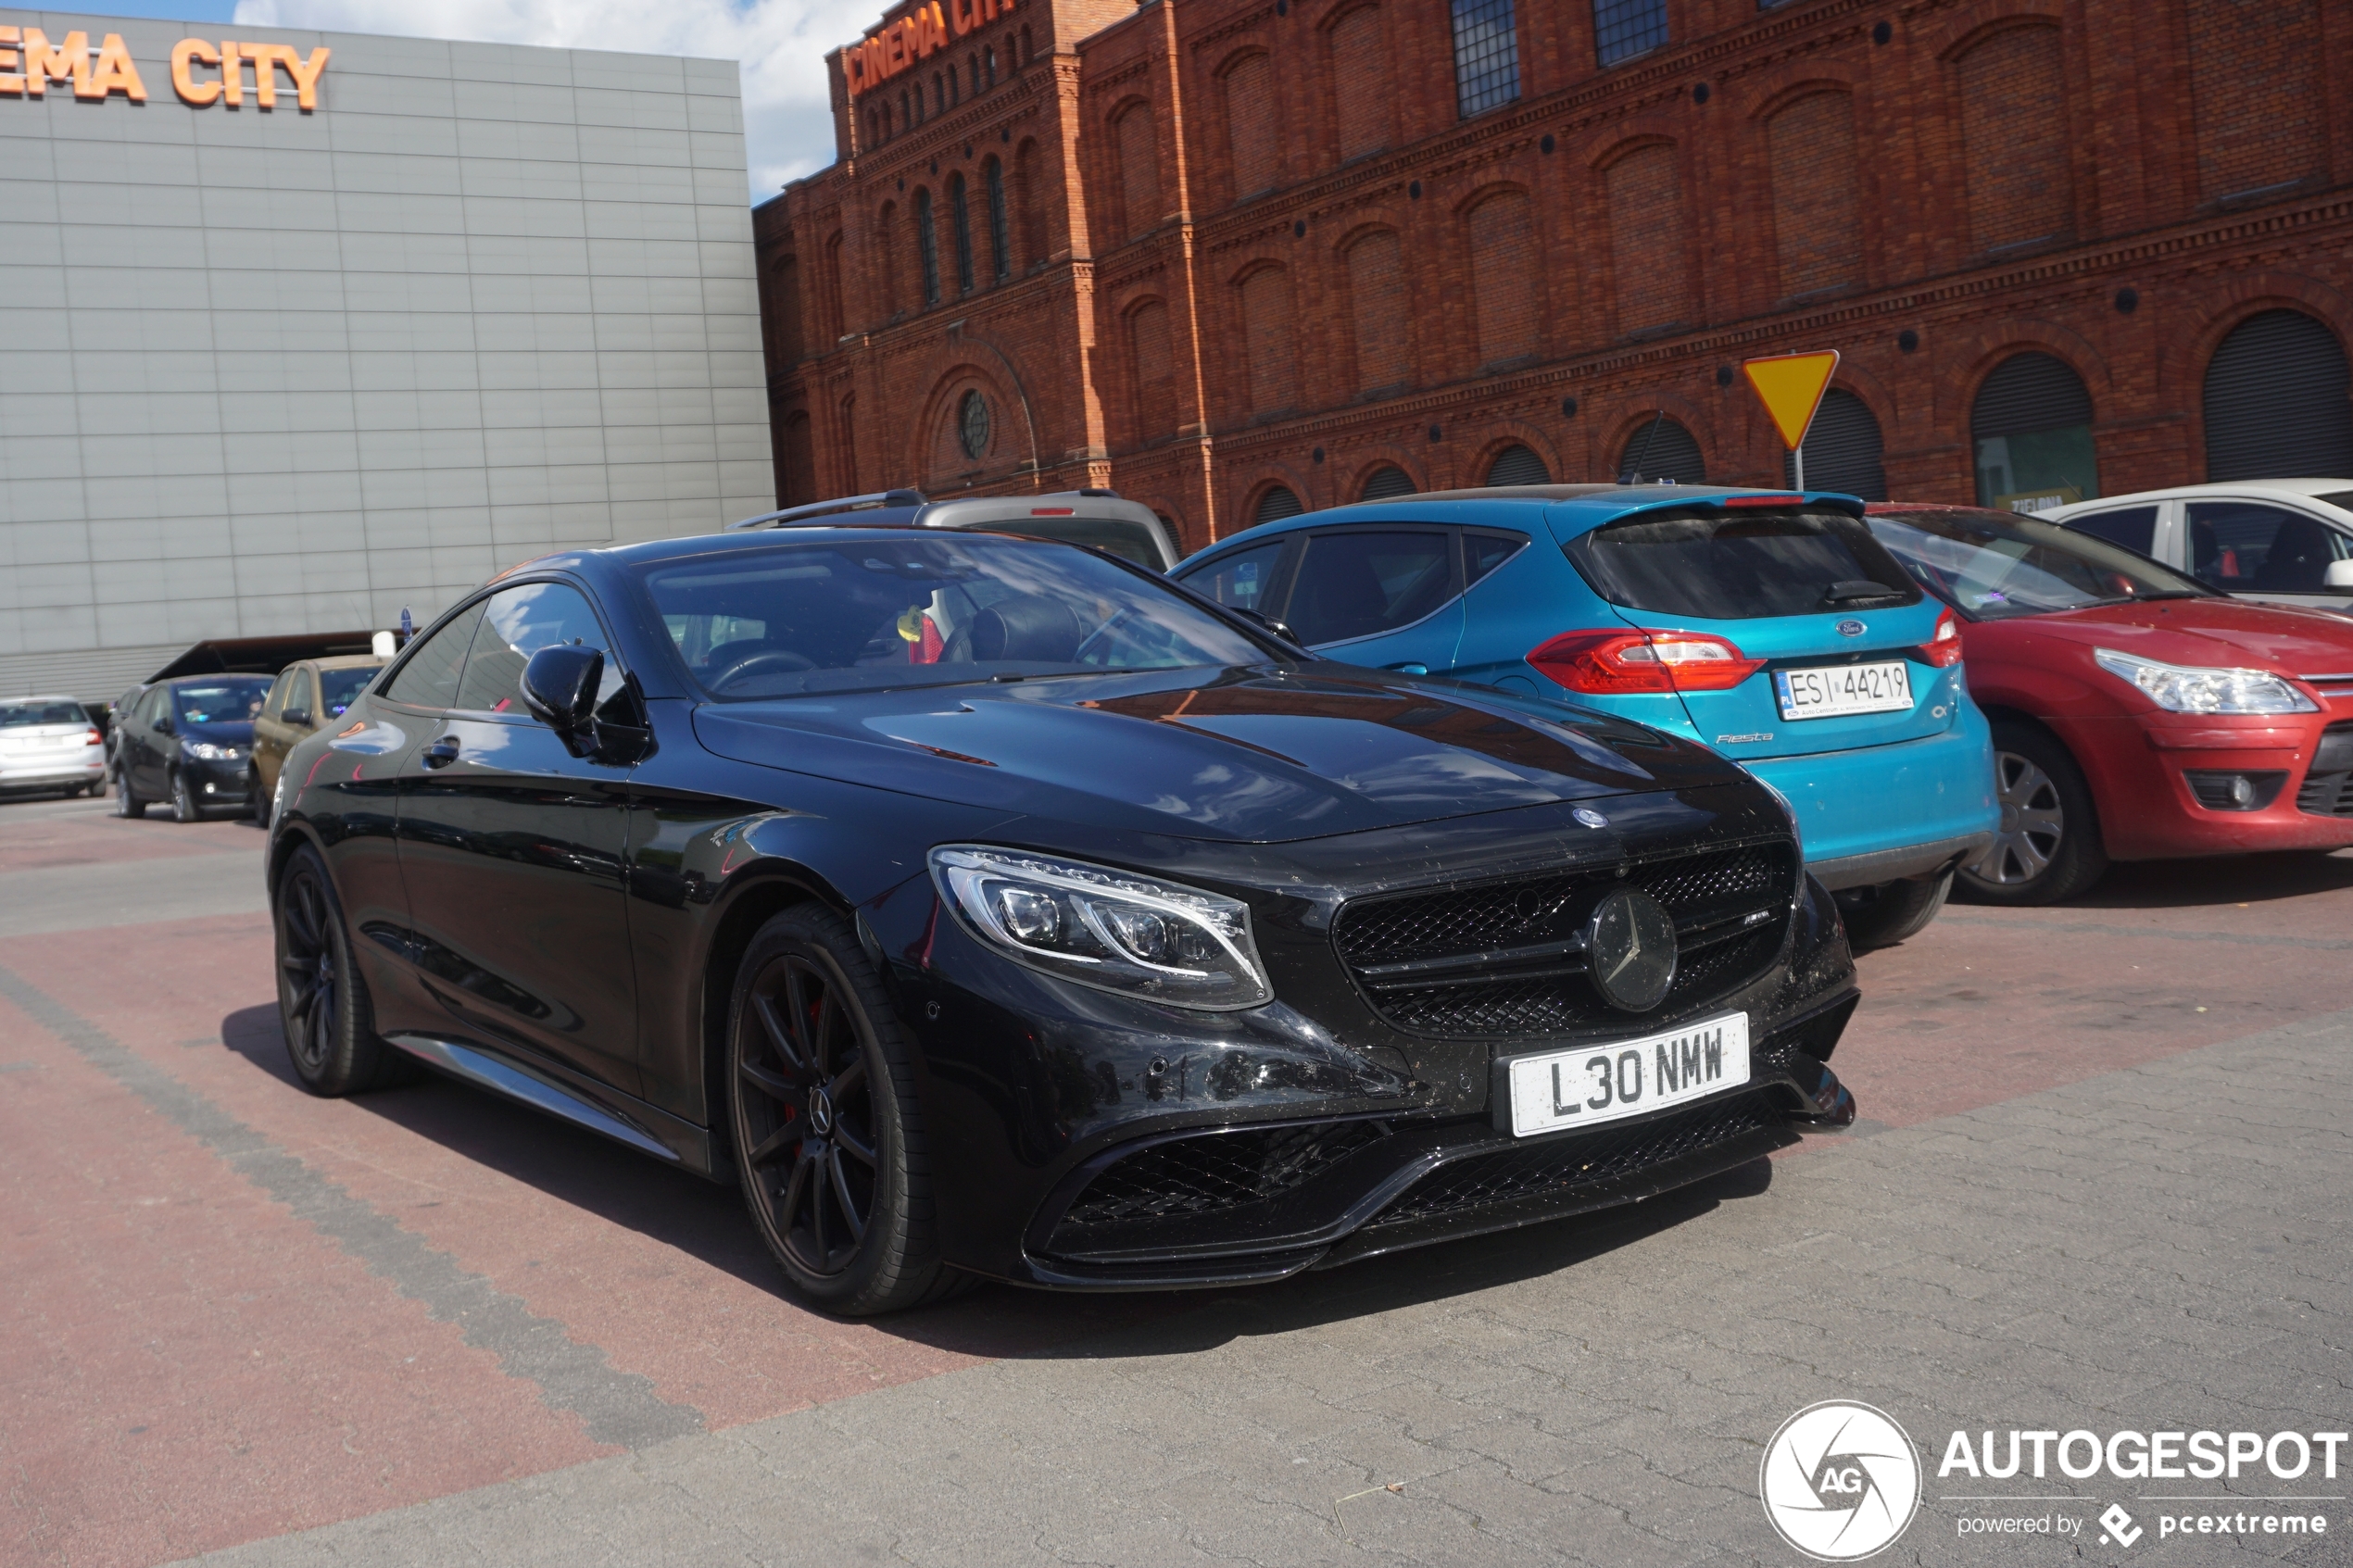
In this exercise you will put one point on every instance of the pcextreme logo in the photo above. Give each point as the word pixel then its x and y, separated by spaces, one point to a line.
pixel 28 63
pixel 1840 1481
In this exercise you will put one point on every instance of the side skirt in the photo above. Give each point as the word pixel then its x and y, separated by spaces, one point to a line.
pixel 607 1112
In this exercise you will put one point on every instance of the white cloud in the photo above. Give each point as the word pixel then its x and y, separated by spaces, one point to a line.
pixel 780 44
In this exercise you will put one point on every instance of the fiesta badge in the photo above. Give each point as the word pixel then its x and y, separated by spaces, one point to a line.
pixel 1840 1481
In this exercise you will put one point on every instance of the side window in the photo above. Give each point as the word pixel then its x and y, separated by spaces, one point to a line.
pixel 300 697
pixel 429 677
pixel 519 622
pixel 1244 580
pixel 1360 584
pixel 277 699
pixel 1482 553
pixel 2245 547
pixel 2133 527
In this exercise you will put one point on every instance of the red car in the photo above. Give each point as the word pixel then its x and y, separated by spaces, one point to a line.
pixel 2137 713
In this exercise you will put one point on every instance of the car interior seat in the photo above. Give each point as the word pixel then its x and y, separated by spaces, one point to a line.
pixel 2298 560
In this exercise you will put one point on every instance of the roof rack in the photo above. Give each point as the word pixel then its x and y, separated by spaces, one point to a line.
pixel 844 504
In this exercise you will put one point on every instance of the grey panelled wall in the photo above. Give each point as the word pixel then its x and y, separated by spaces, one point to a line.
pixel 275 371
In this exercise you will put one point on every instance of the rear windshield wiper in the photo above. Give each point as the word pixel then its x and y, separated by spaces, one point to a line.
pixel 1857 588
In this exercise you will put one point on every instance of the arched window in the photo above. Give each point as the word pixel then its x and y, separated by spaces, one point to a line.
pixel 1842 449
pixel 905 116
pixel 927 248
pixel 1278 503
pixel 1151 352
pixel 973 65
pixel 2032 424
pixel 1648 238
pixel 2257 84
pixel 1026 55
pixel 1485 55
pixel 1363 118
pixel 1266 330
pixel 836 313
pixel 1250 134
pixel 1386 483
pixel 988 66
pixel 894 298
pixel 1518 465
pixel 938 93
pixel 962 220
pixel 955 87
pixel 1660 448
pixel 1507 283
pixel 1138 168
pixel 2013 98
pixel 1029 203
pixel 2275 401
pixel 1000 241
pixel 1812 145
pixel 1381 300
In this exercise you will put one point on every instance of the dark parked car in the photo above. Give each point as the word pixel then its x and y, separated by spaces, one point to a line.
pixel 989 907
pixel 185 742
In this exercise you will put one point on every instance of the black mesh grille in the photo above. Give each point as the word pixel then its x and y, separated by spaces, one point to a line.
pixel 1715 886
pixel 1215 1171
pixel 2328 788
pixel 1561 1165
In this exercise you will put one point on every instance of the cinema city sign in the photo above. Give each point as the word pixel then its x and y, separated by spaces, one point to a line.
pixel 28 63
pixel 918 35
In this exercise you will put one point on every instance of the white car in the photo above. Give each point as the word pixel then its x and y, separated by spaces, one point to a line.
pixel 49 743
pixel 2285 541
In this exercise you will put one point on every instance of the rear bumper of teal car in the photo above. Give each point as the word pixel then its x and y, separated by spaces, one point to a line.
pixel 1879 813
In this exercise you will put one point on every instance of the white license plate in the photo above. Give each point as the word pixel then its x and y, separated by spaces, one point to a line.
pixel 1591 1084
pixel 1828 691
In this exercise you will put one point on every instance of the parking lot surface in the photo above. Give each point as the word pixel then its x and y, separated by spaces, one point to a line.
pixel 2102 1182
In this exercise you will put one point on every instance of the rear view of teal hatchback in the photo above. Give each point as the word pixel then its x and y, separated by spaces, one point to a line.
pixel 1769 625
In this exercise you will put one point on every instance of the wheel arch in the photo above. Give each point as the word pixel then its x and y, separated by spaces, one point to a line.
pixel 2002 713
pixel 756 895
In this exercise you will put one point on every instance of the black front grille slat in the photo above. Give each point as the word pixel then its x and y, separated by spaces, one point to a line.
pixel 1213 1171
pixel 1563 1164
pixel 2327 790
pixel 1711 894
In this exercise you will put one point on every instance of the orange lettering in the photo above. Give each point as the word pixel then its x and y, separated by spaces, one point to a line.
pixel 69 62
pixel 11 61
pixel 306 74
pixel 115 73
pixel 233 75
pixel 265 79
pixel 186 54
pixel 962 16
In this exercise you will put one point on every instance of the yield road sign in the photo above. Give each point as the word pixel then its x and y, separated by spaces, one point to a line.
pixel 1791 387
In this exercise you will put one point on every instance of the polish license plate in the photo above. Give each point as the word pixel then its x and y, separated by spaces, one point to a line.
pixel 1553 1091
pixel 1830 691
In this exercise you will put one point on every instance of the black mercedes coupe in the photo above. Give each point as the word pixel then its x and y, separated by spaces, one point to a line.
pixel 989 907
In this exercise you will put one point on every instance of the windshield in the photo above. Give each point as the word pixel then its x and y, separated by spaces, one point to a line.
pixel 24 715
pixel 338 689
pixel 1740 565
pixel 1991 566
pixel 233 699
pixel 868 614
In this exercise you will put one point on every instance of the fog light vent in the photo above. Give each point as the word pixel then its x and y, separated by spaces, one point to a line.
pixel 2219 790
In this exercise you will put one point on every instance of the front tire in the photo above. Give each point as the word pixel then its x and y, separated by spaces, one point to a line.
pixel 1891 912
pixel 322 1003
pixel 2048 846
pixel 828 1136
pixel 184 801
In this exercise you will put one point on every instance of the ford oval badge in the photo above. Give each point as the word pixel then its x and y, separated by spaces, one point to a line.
pixel 1850 628
pixel 1590 816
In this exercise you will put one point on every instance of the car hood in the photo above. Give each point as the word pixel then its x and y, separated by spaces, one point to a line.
pixel 2209 633
pixel 1247 755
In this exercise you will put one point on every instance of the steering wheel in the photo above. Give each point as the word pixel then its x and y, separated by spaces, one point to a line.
pixel 780 660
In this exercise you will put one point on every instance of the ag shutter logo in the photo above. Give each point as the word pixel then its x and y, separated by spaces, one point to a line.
pixel 1840 1481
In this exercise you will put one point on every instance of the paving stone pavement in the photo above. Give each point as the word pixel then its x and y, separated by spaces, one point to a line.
pixel 2168 1246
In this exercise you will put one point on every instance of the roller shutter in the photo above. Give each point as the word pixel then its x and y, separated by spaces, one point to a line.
pixel 1663 450
pixel 1387 482
pixel 1518 465
pixel 1842 449
pixel 2276 402
pixel 1276 503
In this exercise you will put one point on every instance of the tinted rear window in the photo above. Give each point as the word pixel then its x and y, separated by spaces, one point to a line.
pixel 1741 566
pixel 21 715
pixel 1116 536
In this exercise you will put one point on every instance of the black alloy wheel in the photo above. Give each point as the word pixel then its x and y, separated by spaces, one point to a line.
pixel 828 1139
pixel 322 1003
pixel 2048 845
pixel 183 800
pixel 126 800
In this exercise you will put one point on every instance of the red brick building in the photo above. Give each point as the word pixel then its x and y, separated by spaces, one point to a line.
pixel 1236 255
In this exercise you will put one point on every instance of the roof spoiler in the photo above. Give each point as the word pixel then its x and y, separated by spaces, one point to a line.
pixel 844 503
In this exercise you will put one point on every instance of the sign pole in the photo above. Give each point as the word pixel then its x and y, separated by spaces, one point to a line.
pixel 1797 460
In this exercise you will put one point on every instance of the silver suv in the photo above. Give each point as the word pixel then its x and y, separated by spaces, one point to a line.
pixel 1096 518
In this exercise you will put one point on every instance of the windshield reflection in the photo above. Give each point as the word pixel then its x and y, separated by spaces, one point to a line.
pixel 1992 566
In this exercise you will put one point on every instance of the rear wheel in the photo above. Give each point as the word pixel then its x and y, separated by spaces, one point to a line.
pixel 126 800
pixel 97 787
pixel 1893 911
pixel 828 1136
pixel 2048 846
pixel 256 804
pixel 322 1003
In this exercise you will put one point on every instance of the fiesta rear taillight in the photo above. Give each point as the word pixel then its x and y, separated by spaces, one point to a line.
pixel 1628 663
pixel 1944 647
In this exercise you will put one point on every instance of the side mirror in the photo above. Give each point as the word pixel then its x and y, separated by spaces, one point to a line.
pixel 1269 623
pixel 164 725
pixel 2338 577
pixel 559 686
pixel 297 717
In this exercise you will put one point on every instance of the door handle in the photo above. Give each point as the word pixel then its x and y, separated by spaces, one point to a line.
pixel 441 753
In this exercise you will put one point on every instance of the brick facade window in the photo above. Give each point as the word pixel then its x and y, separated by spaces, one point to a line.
pixel 1138 168
pixel 1814 203
pixel 1266 339
pixel 2013 101
pixel 2255 80
pixel 960 217
pixel 1029 203
pixel 1250 98
pixel 1648 234
pixel 1623 29
pixel 1365 119
pixel 1381 300
pixel 1661 448
pixel 1507 291
pixel 1000 254
pixel 1485 55
pixel 927 248
pixel 1155 357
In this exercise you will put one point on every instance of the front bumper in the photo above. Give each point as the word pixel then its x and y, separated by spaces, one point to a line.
pixel 2141 767
pixel 216 783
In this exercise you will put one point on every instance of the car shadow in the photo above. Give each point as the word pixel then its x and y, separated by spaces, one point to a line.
pixel 2224 879
pixel 707 1221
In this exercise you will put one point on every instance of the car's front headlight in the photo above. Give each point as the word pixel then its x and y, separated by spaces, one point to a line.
pixel 2180 688
pixel 1108 928
pixel 205 752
